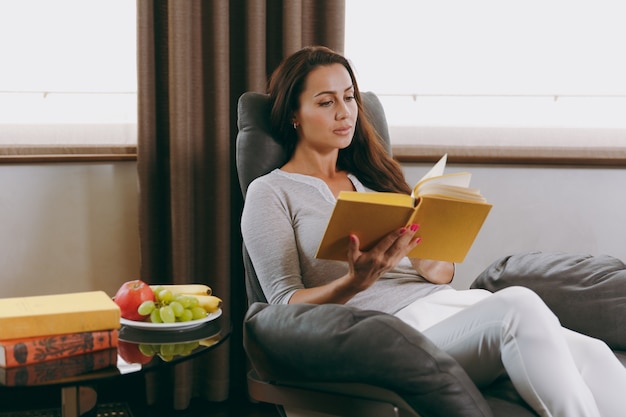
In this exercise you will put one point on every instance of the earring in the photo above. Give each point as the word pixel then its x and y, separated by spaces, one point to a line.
pixel 295 126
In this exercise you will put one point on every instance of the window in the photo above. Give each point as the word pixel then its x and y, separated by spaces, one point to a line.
pixel 536 78
pixel 68 73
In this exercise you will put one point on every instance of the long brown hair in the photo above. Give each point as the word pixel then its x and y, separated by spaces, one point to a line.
pixel 365 157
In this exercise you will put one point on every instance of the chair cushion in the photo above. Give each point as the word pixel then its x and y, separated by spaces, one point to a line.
pixel 343 344
pixel 587 293
pixel 257 153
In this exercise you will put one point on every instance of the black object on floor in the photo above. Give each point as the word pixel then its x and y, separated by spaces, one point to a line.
pixel 101 410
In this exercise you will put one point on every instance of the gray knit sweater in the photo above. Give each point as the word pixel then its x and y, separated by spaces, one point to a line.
pixel 284 218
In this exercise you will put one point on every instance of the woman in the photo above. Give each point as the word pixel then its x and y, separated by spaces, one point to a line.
pixel 316 114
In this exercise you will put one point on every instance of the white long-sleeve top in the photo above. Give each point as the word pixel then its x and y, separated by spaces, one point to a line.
pixel 283 220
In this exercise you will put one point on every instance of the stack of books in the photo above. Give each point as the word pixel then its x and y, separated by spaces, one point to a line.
pixel 52 337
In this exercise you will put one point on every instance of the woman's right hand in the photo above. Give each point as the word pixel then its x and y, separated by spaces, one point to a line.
pixel 366 267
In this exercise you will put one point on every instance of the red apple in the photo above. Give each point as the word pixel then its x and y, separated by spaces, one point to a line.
pixel 130 296
pixel 131 353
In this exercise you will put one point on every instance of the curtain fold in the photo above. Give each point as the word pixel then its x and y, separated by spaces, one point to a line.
pixel 195 58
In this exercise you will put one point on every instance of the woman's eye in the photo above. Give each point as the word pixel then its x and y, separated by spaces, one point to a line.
pixel 326 103
pixel 349 98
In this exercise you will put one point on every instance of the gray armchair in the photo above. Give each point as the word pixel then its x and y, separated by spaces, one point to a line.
pixel 335 359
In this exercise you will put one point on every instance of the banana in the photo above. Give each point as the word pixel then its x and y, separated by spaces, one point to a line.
pixel 210 303
pixel 186 289
pixel 210 341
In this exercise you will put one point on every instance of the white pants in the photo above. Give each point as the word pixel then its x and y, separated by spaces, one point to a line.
pixel 558 372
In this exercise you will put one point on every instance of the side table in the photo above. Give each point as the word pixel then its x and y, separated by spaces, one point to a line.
pixel 166 347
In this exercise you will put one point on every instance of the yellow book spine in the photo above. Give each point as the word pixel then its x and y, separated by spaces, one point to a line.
pixel 57 314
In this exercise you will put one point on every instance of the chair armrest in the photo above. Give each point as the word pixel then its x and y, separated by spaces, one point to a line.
pixel 587 293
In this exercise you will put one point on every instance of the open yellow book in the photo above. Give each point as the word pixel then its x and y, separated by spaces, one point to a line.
pixel 450 215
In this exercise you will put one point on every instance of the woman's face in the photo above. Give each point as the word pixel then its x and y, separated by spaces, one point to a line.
pixel 328 110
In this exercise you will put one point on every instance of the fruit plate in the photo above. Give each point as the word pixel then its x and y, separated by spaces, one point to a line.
pixel 170 326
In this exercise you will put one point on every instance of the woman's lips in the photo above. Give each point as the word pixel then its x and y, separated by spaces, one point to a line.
pixel 343 130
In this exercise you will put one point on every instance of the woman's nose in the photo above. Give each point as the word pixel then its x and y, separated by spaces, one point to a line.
pixel 343 111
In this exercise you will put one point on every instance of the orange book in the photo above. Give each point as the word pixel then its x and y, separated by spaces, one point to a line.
pixel 58 370
pixel 25 351
pixel 450 215
pixel 44 315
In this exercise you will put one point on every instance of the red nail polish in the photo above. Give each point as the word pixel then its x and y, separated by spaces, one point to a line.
pixel 414 227
pixel 403 230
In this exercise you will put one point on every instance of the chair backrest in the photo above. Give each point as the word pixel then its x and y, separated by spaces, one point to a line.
pixel 257 153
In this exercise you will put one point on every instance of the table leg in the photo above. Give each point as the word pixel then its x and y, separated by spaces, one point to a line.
pixel 76 401
pixel 69 401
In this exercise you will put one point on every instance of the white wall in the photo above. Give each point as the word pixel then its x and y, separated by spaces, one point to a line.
pixel 67 227
pixel 543 208
pixel 73 227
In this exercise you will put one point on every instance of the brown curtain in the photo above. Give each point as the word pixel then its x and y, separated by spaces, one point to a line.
pixel 195 59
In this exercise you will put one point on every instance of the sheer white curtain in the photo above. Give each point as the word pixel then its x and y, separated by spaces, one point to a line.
pixel 534 78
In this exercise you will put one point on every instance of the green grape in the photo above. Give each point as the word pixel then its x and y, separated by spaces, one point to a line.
pixel 185 300
pixel 193 302
pixel 167 314
pixel 146 350
pixel 192 345
pixel 146 307
pixel 165 296
pixel 179 348
pixel 155 316
pixel 168 349
pixel 177 308
pixel 156 289
pixel 186 315
pixel 198 313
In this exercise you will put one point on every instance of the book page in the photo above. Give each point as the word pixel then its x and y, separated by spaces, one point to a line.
pixel 457 179
pixel 451 192
pixel 437 170
pixel 456 185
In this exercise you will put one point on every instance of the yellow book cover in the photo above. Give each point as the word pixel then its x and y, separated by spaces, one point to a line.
pixel 450 215
pixel 55 314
